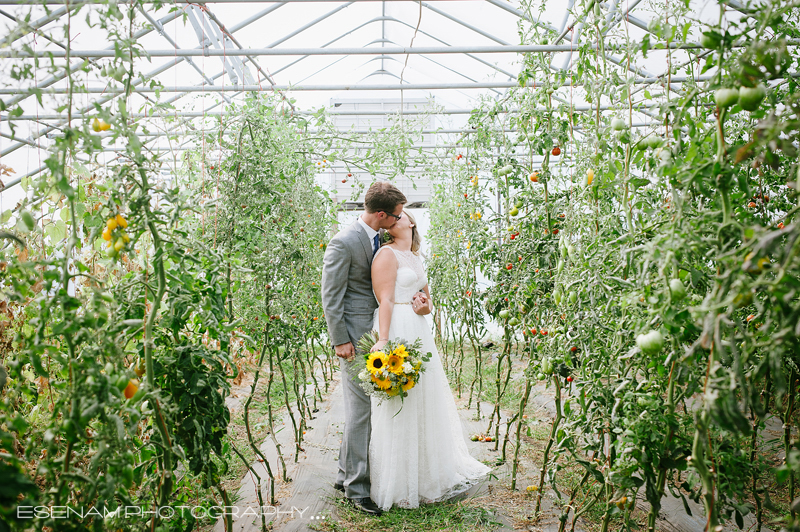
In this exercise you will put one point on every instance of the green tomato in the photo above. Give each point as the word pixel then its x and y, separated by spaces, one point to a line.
pixel 650 343
pixel 743 299
pixel 505 170
pixel 540 376
pixel 122 382
pixel 557 296
pixel 504 314
pixel 513 322
pixel 725 98
pixel 677 289
pixel 571 251
pixel 653 142
pixel 119 73
pixel 109 369
pixel 618 124
pixel 560 266
pixel 127 475
pixel 69 429
pixel 573 297
pixel 514 211
pixel 27 219
pixel 519 203
pixel 750 98
pixel 711 40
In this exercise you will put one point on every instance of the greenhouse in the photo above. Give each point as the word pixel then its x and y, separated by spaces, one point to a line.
pixel 589 319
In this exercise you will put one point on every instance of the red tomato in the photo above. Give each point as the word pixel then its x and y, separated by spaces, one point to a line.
pixel 510 266
pixel 569 379
pixel 556 151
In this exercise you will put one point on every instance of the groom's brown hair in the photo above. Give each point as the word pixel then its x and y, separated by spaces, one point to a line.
pixel 383 196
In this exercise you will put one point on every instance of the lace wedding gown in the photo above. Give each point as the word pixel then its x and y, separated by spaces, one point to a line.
pixel 420 455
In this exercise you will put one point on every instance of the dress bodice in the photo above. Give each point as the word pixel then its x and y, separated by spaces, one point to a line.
pixel 411 276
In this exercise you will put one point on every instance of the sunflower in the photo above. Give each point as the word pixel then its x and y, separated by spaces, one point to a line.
pixel 394 363
pixel 376 362
pixel 408 385
pixel 400 351
pixel 384 383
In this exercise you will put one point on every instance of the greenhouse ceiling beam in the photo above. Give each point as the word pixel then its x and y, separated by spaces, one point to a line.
pixel 217 114
pixel 25 28
pixel 385 72
pixel 160 28
pixel 55 79
pixel 514 11
pixel 466 25
pixel 363 148
pixel 195 52
pixel 168 18
pixel 271 45
pixel 235 89
pixel 393 19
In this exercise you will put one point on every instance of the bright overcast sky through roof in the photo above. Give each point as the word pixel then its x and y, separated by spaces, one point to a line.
pixel 361 24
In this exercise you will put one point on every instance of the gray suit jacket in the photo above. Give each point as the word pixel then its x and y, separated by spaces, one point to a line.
pixel 347 297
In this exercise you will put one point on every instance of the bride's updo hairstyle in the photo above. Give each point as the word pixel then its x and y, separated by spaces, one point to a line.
pixel 416 240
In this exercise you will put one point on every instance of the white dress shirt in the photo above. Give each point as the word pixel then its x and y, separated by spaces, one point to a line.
pixel 370 232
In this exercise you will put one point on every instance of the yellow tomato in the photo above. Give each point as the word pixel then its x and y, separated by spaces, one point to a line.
pixel 131 388
pixel 106 234
pixel 589 176
pixel 111 224
pixel 121 221
pixel 96 126
pixel 119 245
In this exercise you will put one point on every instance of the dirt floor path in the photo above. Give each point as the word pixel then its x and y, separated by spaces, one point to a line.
pixel 309 497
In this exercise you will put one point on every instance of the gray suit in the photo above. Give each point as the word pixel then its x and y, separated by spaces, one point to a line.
pixel 349 304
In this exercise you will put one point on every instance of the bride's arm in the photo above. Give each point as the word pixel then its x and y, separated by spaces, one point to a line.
pixel 384 275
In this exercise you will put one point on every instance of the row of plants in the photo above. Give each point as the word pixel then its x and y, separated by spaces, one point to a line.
pixel 647 275
pixel 131 301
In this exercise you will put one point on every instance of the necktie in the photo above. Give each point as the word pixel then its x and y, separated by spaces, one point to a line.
pixel 376 243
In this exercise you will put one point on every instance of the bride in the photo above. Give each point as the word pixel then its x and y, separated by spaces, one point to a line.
pixel 418 455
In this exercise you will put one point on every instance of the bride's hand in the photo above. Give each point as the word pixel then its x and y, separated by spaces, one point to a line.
pixel 420 304
pixel 379 345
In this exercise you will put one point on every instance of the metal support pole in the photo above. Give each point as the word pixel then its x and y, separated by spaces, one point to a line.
pixel 302 88
pixel 510 49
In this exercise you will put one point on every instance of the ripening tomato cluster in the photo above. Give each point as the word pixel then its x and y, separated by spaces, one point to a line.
pixel 115 234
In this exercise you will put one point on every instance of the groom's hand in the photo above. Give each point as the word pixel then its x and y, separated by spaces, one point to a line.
pixel 345 351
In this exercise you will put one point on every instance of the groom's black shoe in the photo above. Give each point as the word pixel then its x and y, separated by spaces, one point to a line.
pixel 338 487
pixel 366 505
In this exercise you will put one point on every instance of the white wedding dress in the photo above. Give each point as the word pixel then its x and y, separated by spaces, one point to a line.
pixel 420 455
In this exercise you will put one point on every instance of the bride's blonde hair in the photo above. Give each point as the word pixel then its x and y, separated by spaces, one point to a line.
pixel 416 240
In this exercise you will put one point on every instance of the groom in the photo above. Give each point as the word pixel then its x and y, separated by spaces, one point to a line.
pixel 349 305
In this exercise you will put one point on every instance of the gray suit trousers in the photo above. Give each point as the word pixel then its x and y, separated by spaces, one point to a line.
pixel 354 451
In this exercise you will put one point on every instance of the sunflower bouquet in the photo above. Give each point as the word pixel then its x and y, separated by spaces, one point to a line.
pixel 394 370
